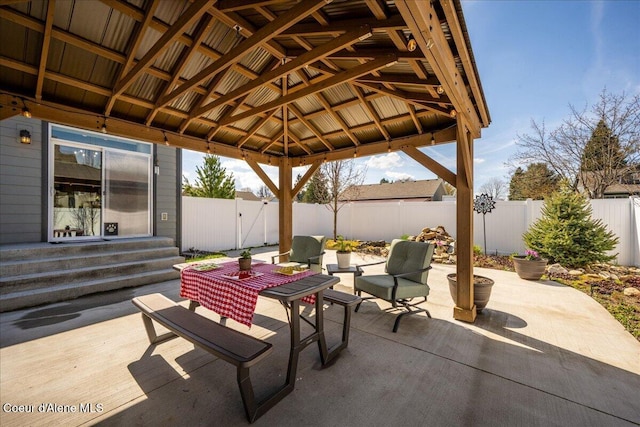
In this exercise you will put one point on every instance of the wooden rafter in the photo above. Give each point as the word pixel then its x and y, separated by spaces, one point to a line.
pixel 185 56
pixel 133 49
pixel 310 126
pixel 306 177
pixel 337 27
pixel 235 5
pixel 430 164
pixel 186 19
pixel 260 37
pixel 323 85
pixel 372 113
pixel 286 68
pixel 44 52
pixel 256 127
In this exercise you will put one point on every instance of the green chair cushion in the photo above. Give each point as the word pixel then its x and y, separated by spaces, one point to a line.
pixel 305 247
pixel 406 256
pixel 381 285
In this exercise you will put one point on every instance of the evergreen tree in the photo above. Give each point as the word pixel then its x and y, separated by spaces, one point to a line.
pixel 602 151
pixel 567 234
pixel 317 190
pixel 536 183
pixel 212 181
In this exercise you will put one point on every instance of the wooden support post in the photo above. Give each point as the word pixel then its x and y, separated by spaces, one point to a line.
pixel 465 309
pixel 285 205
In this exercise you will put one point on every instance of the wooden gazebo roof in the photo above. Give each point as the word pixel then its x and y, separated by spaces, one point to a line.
pixel 296 78
pixel 281 82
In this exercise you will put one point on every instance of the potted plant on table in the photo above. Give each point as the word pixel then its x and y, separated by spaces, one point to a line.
pixel 244 262
pixel 530 266
pixel 343 253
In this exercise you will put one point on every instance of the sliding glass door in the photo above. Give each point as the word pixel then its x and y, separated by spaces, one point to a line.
pixel 101 186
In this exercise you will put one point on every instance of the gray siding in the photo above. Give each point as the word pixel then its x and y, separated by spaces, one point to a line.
pixel 20 182
pixel 23 201
pixel 167 192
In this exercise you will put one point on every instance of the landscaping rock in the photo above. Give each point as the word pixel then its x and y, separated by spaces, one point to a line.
pixel 576 272
pixel 557 269
pixel 631 292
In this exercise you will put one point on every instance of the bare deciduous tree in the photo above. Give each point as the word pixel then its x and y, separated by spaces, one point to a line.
pixel 496 188
pixel 342 176
pixel 563 148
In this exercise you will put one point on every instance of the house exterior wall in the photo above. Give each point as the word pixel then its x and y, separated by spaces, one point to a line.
pixel 168 192
pixel 21 182
pixel 23 185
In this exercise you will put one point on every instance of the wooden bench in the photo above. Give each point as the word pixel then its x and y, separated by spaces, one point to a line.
pixel 347 301
pixel 232 346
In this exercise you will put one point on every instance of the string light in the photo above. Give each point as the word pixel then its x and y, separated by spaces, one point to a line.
pixel 166 140
pixel 25 110
pixel 103 129
pixel 433 139
pixel 208 149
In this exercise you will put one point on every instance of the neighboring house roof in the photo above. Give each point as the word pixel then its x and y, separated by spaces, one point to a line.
pixel 628 185
pixel 247 195
pixel 423 190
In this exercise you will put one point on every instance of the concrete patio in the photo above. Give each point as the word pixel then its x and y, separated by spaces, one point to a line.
pixel 540 354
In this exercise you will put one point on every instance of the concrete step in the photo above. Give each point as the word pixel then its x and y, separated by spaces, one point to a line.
pixel 27 282
pixel 20 252
pixel 34 274
pixel 31 266
pixel 63 292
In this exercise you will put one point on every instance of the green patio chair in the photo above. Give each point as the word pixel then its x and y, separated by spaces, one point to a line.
pixel 305 251
pixel 407 269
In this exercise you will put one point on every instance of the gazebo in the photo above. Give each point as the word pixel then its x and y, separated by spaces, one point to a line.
pixel 285 83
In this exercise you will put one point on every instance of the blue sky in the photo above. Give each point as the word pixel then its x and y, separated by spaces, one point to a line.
pixel 534 59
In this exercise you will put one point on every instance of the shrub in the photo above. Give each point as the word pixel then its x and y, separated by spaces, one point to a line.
pixel 567 234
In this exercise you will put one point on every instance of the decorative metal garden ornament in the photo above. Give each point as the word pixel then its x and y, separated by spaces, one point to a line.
pixel 484 204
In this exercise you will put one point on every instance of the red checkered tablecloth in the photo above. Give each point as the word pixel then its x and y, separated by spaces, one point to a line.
pixel 235 299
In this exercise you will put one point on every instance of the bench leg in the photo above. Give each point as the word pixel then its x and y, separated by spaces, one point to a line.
pixel 151 331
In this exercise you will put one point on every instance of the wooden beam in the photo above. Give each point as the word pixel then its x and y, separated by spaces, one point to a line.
pixel 397 78
pixel 372 112
pixel 235 5
pixel 325 84
pixel 465 308
pixel 373 148
pixel 395 22
pixel 310 126
pixel 285 205
pixel 201 32
pixel 255 128
pixel 465 55
pixel 70 116
pixel 185 20
pixel 131 56
pixel 44 51
pixel 287 68
pixel 260 37
pixel 430 164
pixel 306 177
pixel 361 53
pixel 262 174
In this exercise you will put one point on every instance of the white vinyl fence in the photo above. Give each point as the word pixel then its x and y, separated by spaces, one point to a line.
pixel 218 224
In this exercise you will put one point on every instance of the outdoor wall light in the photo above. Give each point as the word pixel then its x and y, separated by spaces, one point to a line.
pixel 156 167
pixel 411 44
pixel 25 136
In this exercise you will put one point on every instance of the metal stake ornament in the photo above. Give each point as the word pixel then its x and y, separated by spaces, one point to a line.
pixel 483 204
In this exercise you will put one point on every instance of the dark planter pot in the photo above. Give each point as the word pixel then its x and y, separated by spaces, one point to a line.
pixel 529 269
pixel 244 264
pixel 481 290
